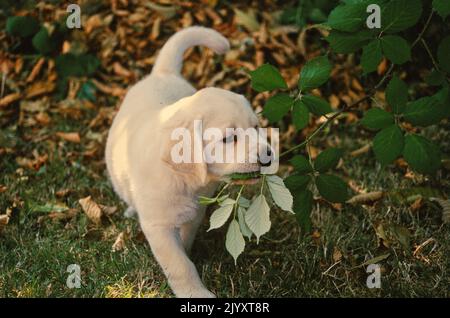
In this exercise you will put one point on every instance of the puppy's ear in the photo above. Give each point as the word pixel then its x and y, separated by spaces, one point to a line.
pixel 191 168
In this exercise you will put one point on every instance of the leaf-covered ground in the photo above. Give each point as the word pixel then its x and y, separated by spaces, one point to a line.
pixel 51 156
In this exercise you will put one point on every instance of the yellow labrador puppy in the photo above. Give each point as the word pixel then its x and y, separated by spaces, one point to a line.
pixel 139 154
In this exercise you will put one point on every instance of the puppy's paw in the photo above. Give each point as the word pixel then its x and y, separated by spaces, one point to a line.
pixel 195 293
pixel 203 293
pixel 130 213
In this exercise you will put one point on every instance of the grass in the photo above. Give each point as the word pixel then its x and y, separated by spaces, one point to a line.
pixel 35 251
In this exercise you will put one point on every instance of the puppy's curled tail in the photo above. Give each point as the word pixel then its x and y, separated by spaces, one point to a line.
pixel 170 58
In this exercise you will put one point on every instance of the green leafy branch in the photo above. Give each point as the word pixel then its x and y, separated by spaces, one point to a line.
pixel 248 218
pixel 348 35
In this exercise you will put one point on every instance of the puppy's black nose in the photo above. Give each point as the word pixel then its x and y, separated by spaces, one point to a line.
pixel 267 160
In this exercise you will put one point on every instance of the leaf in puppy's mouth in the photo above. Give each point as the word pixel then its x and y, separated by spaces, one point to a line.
pixel 244 177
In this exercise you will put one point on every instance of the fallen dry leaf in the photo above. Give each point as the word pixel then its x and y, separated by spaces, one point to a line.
pixel 417 204
pixel 4 219
pixel 91 209
pixel 121 71
pixel 59 216
pixel 119 244
pixel 382 67
pixel 108 210
pixel 43 118
pixel 114 91
pixel 35 71
pixel 39 88
pixel 8 99
pixel 366 197
pixel 247 19
pixel 70 136
pixel 337 255
pixel 360 151
pixel 380 231
pixel 62 193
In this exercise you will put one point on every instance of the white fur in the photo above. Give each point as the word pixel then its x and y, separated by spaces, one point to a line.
pixel 165 194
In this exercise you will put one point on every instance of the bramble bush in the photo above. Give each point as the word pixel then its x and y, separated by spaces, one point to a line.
pixel 396 127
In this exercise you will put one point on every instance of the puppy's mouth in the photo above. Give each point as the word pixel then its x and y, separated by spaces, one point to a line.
pixel 247 178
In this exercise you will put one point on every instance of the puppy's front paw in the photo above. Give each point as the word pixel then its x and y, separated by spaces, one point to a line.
pixel 195 293
pixel 203 293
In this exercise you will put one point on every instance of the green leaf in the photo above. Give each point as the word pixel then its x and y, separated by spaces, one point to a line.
pixel 220 216
pixel 435 78
pixel 42 41
pixel 371 56
pixel 399 15
pixel 397 95
pixel 22 26
pixel 421 154
pixel 443 98
pixel 388 144
pixel 48 207
pixel 332 188
pixel 226 200
pixel 443 54
pixel 244 202
pixel 303 204
pixel 266 78
pixel 316 105
pixel 301 164
pixel 243 175
pixel 244 227
pixel 375 260
pixel 76 65
pixel 328 159
pixel 87 92
pixel 377 118
pixel 315 73
pixel 257 217
pixel 297 182
pixel 300 115
pixel 348 18
pixel 396 49
pixel 277 106
pixel 202 200
pixel 342 42
pixel 442 7
pixel 424 112
pixel 280 194
pixel 234 241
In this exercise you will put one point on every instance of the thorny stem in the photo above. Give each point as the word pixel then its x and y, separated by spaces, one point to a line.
pixel 427 48
pixel 221 191
pixel 369 94
pixel 237 200
pixel 262 183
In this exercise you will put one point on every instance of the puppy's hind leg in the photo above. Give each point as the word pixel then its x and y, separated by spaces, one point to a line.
pixel 168 250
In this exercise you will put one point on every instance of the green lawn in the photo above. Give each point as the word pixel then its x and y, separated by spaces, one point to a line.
pixel 36 250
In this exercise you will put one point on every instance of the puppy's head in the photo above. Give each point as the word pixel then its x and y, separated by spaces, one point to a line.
pixel 210 135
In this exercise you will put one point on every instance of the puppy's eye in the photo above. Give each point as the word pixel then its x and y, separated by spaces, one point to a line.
pixel 229 139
